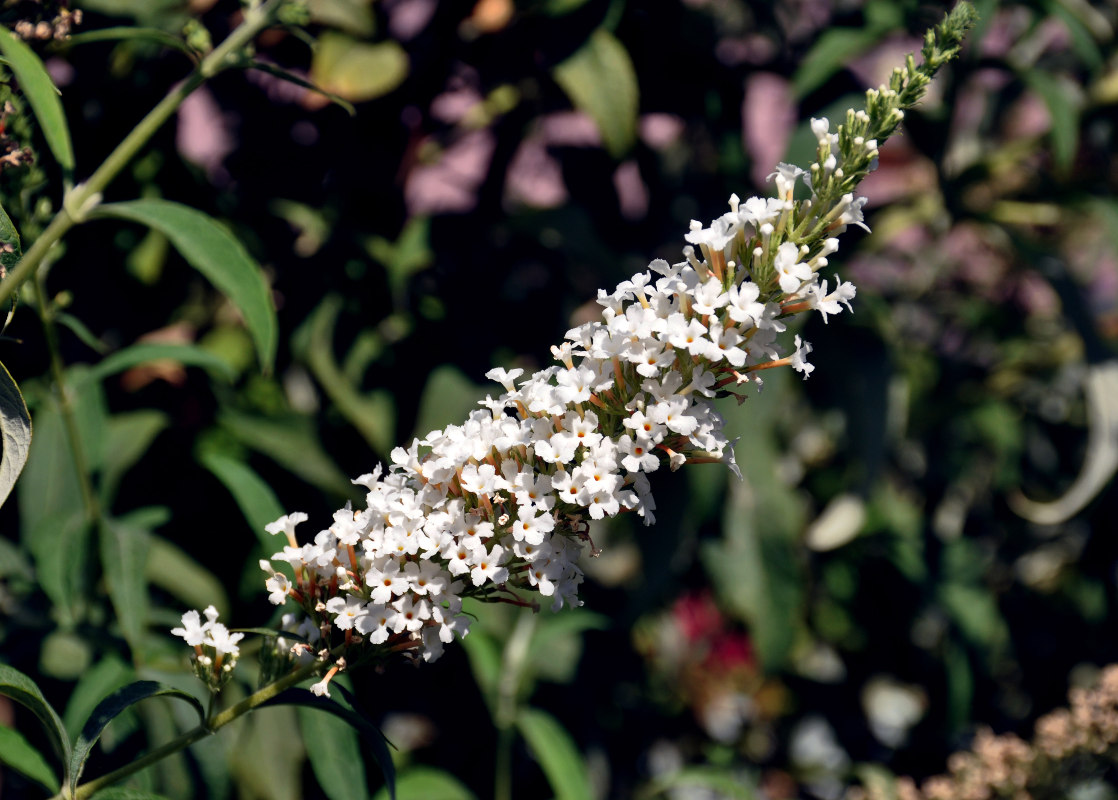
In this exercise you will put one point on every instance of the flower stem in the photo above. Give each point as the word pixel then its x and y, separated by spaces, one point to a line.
pixel 211 725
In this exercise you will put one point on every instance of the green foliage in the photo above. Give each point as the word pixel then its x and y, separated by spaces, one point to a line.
pixel 600 80
pixel 41 94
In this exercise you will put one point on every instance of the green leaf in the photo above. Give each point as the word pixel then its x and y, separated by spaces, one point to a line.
pixel 267 758
pixel 292 442
pixel 124 552
pixel 447 399
pixel 17 753
pixel 41 94
pixel 128 437
pixel 19 687
pixel 372 734
pixel 253 496
pixel 335 755
pixel 50 485
pixel 719 782
pixel 124 32
pixel 173 570
pixel 214 252
pixel 9 238
pixel 1063 109
pixel 104 677
pixel 291 77
pixel 371 414
pixel 111 707
pixel 82 331
pixel 427 783
pixel 556 753
pixel 827 56
pixel 599 79
pixel 352 16
pixel 186 354
pixel 15 432
pixel 59 546
pixel 357 71
pixel 125 793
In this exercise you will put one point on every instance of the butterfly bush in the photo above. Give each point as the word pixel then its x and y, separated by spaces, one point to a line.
pixel 498 508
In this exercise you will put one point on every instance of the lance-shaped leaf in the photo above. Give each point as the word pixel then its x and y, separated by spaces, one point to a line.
pixel 252 494
pixel 214 252
pixel 186 354
pixel 17 753
pixel 124 553
pixel 599 79
pixel 110 708
pixel 556 753
pixel 19 687
pixel 372 734
pixel 41 94
pixel 335 755
pixel 15 432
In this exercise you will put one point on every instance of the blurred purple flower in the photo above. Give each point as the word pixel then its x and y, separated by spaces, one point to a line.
pixel 408 18
pixel 205 134
pixel 570 129
pixel 768 115
pixel 535 177
pixel 659 130
pixel 632 194
pixel 450 185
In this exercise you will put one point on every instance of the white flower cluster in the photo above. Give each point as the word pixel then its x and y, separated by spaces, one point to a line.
pixel 498 506
pixel 215 648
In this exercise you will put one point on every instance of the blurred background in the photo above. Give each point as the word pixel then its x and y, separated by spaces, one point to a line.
pixel 920 547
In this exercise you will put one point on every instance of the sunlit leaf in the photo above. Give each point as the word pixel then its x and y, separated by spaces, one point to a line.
pixel 352 16
pixel 357 71
pixel 599 79
pixel 17 753
pixel 214 252
pixel 427 783
pixel 111 707
pixel 556 753
pixel 335 755
pixel 23 690
pixel 124 552
pixel 15 432
pixel 41 94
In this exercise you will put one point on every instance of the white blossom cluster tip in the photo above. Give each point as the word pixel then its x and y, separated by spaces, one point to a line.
pixel 215 647
pixel 498 507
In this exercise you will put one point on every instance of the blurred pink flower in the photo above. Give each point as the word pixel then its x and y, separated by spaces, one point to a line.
pixel 768 115
pixel 659 130
pixel 205 134
pixel 450 185
pixel 535 178
pixel 408 18
pixel 570 129
pixel 632 194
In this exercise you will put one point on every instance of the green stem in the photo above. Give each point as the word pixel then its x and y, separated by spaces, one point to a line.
pixel 211 725
pixel 508 700
pixel 78 201
pixel 46 313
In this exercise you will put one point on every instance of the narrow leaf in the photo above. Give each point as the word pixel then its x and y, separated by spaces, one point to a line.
pixel 599 79
pixel 104 677
pixel 124 552
pixel 253 496
pixel 427 783
pixel 335 755
pixel 124 32
pixel 291 77
pixel 19 687
pixel 372 734
pixel 214 252
pixel 125 793
pixel 556 753
pixel 15 432
pixel 173 570
pixel 292 442
pixel 128 436
pixel 41 94
pixel 186 354
pixel 1063 109
pixel 17 753
pixel 827 56
pixel 110 708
